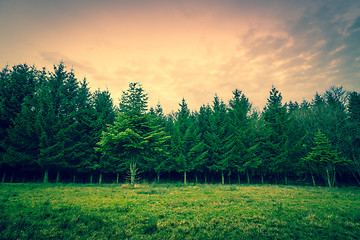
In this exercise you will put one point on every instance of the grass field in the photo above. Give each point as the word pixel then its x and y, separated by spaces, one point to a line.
pixel 171 211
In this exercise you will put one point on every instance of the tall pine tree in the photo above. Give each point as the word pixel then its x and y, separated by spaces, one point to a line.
pixel 353 133
pixel 278 123
pixel 216 139
pixel 182 140
pixel 56 121
pixel 237 144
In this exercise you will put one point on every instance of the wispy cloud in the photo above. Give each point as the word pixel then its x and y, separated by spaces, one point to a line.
pixel 191 49
pixel 301 56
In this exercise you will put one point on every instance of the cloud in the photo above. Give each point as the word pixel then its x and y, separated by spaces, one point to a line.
pixel 56 57
pixel 300 56
pixel 192 49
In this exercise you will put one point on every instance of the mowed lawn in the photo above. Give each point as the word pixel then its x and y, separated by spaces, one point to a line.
pixel 174 211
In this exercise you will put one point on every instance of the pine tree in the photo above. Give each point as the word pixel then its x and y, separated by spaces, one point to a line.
pixel 182 140
pixel 260 147
pixel 216 138
pixel 56 121
pixel 134 100
pixel 278 124
pixel 353 133
pixel 132 139
pixel 202 149
pixel 82 153
pixel 237 142
pixel 104 115
pixel 300 135
pixel 23 139
pixel 17 86
pixel 191 141
pixel 327 113
pixel 323 157
pixel 336 116
pixel 50 140
pixel 158 162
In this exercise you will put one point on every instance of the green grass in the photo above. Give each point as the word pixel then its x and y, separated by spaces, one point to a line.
pixel 170 211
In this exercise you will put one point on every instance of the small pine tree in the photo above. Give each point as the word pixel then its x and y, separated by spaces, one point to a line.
pixel 133 138
pixel 324 158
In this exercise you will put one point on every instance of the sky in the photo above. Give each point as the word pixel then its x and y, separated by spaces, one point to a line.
pixel 190 49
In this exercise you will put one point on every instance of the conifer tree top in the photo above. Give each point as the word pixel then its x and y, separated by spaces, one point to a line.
pixel 134 100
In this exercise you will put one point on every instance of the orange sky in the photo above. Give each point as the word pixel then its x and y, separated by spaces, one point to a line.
pixel 190 49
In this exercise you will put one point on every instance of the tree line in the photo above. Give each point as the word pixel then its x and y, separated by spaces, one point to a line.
pixel 52 127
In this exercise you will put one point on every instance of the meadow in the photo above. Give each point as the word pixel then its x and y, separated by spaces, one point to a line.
pixel 175 211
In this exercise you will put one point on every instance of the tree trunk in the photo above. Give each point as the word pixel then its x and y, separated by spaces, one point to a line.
pixel 158 177
pixel 185 178
pixel 353 173
pixel 313 180
pixel 247 176
pixel 239 178
pixel 262 178
pixel 334 177
pixel 91 178
pixel 117 178
pixel 328 177
pixel 205 178
pixel 58 176
pixel 12 177
pixel 196 178
pixel 229 177
pixel 3 178
pixel 74 178
pixel 222 178
pixel 133 170
pixel 100 178
pixel 144 177
pixel 286 180
pixel 46 176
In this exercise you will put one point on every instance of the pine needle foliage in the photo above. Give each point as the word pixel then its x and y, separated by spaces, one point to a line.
pixel 324 158
pixel 133 138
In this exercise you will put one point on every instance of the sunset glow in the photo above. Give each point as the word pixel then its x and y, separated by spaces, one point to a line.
pixel 190 49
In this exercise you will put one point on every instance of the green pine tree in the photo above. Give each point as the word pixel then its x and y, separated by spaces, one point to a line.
pixel 278 124
pixel 216 139
pixel 17 86
pixel 104 115
pixel 132 139
pixel 159 162
pixel 323 158
pixel 182 140
pixel 353 133
pixel 237 142
pixel 203 147
pixel 259 147
pixel 56 120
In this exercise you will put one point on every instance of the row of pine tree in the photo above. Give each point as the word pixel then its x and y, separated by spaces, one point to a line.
pixel 53 126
